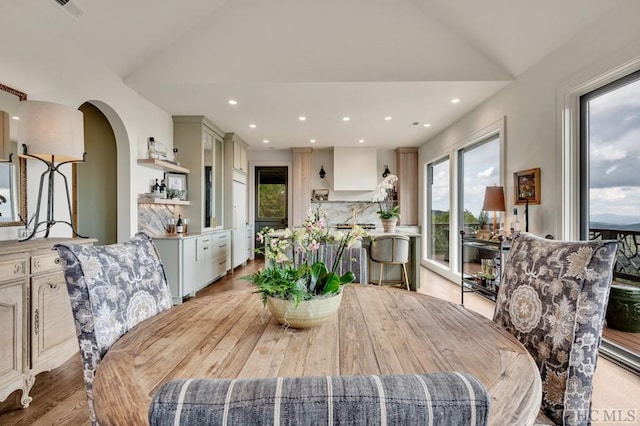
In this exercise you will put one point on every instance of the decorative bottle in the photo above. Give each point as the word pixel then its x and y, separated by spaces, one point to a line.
pixel 179 225
pixel 156 188
pixel 163 189
pixel 515 223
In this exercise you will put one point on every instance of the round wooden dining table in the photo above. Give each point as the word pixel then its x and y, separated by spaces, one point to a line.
pixel 377 330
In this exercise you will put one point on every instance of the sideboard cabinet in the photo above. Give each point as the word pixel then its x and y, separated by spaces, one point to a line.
pixel 38 333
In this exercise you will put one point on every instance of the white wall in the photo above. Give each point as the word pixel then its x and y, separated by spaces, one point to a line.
pixel 532 118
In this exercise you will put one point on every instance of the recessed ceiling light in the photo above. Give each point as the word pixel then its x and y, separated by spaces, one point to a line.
pixel 455 100
pixel 345 119
pixel 233 102
pixel 302 118
pixel 361 141
pixel 253 126
pixel 15 117
pixel 312 140
pixel 387 118
pixel 427 125
pixel 265 140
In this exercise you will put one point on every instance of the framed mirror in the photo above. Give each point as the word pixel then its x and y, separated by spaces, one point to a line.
pixel 13 175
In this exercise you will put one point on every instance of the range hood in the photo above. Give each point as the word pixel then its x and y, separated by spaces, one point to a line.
pixel 354 169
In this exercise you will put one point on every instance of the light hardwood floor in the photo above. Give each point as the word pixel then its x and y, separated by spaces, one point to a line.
pixel 59 397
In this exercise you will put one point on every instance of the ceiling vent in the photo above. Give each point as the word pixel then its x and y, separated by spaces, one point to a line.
pixel 70 8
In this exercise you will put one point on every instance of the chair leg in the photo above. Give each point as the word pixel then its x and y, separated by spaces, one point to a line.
pixel 380 275
pixel 405 278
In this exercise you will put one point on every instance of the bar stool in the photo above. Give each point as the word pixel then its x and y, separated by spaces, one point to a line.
pixel 390 249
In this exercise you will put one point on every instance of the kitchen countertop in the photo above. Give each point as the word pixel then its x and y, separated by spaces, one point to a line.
pixel 189 235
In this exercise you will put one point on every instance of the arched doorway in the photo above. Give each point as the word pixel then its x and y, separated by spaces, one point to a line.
pixel 96 181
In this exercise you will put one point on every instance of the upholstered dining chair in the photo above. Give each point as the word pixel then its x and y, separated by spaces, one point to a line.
pixel 390 249
pixel 111 288
pixel 446 398
pixel 553 298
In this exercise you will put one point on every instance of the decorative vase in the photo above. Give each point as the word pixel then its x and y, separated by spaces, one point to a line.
pixel 389 225
pixel 308 313
pixel 623 310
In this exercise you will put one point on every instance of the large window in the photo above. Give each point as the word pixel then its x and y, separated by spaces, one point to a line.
pixel 439 199
pixel 610 198
pixel 479 167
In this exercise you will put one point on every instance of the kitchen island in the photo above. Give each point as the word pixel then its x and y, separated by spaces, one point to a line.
pixel 391 272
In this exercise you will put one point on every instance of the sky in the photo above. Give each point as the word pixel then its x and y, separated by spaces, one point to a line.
pixel 481 169
pixel 614 141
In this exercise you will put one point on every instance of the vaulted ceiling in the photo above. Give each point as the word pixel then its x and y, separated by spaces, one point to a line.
pixel 324 60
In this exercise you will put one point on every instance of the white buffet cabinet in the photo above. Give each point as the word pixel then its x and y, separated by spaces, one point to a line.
pixel 37 329
pixel 192 262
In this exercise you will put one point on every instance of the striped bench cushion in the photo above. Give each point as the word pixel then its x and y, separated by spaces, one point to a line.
pixel 435 398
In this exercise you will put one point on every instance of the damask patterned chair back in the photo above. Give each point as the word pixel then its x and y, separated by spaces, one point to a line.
pixel 112 288
pixel 553 298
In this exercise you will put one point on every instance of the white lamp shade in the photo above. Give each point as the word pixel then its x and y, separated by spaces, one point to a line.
pixel 52 132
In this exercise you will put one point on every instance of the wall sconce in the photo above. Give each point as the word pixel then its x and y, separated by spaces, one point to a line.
pixel 322 172
pixel 386 171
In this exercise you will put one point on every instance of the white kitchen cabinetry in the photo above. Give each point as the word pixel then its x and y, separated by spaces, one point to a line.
pixel 193 262
pixel 178 257
pixel 239 230
pixel 201 148
pixel 236 214
pixel 221 244
pixel 38 331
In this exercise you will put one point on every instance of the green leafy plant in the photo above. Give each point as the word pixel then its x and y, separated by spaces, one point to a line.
pixel 296 268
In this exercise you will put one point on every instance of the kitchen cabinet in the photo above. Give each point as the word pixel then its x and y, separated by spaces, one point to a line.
pixel 201 150
pixel 221 244
pixel 178 256
pixel 38 328
pixel 237 150
pixel 407 185
pixel 250 249
pixel 239 230
pixel 236 214
pixel 240 157
pixel 193 262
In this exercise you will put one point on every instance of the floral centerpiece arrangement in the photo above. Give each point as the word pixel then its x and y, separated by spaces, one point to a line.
pixel 296 266
pixel 388 213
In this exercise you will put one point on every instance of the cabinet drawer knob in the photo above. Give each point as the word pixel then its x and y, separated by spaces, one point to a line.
pixel 56 260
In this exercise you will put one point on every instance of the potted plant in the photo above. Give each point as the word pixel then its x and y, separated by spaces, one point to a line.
pixel 297 284
pixel 388 213
pixel 483 220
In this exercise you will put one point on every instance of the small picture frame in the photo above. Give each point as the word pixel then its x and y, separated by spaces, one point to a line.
pixel 178 182
pixel 320 195
pixel 526 184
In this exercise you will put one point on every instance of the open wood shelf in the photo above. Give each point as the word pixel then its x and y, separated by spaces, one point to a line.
pixel 167 166
pixel 150 200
